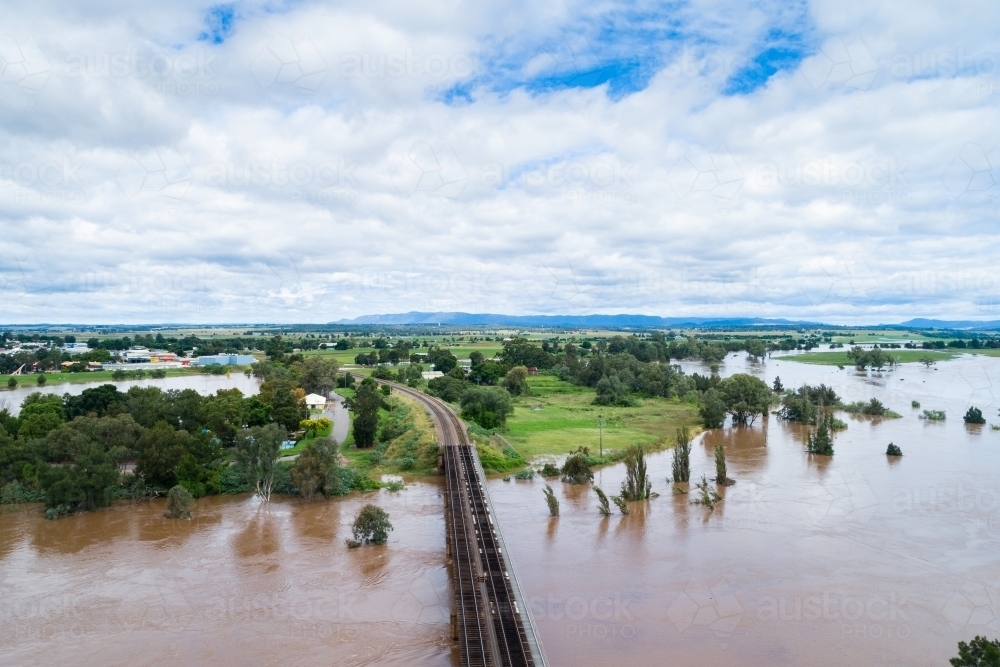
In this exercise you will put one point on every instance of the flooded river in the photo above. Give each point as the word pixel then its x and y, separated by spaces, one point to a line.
pixel 854 560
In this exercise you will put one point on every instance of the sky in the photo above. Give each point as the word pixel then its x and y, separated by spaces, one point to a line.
pixel 296 161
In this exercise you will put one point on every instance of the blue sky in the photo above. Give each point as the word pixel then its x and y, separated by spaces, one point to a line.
pixel 263 161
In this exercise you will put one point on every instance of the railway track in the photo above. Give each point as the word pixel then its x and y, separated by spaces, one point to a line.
pixel 492 623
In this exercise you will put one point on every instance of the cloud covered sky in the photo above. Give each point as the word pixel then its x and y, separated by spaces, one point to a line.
pixel 305 162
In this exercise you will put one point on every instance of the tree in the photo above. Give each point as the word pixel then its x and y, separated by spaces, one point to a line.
pixel 712 409
pixel 225 414
pixel 96 400
pixel 371 526
pixel 487 372
pixel 160 451
pixel 365 405
pixel 604 508
pixel 551 501
pixel 487 406
pixel 756 348
pixel 636 485
pixel 777 387
pixel 927 360
pixel 12 382
pixel 821 442
pixel 257 455
pixel 179 503
pixel 576 469
pixel 476 358
pixel 318 375
pixel 516 381
pixel 312 470
pixel 974 416
pixel 893 450
pixel 721 473
pixel 746 397
pixel 980 652
pixel 82 486
pixel 611 390
pixel 682 457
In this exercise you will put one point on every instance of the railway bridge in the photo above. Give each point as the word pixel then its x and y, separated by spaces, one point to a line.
pixel 490 620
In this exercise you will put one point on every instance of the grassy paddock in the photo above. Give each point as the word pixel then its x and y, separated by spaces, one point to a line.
pixel 839 358
pixel 559 417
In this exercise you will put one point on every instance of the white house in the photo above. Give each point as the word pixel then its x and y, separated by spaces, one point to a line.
pixel 315 402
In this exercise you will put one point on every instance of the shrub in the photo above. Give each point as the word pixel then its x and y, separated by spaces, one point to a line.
pixel 707 496
pixel 821 442
pixel 974 416
pixel 526 473
pixel 371 526
pixel 914 404
pixel 179 503
pixel 893 450
pixel 604 508
pixel 551 501
pixel 576 469
pixel 933 415
pixel 549 470
pixel 721 472
pixel 12 382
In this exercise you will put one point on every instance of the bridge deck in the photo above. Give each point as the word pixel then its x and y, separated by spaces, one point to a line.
pixel 494 625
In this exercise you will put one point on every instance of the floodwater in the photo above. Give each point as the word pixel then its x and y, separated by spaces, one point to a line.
pixel 238 585
pixel 203 384
pixel 851 560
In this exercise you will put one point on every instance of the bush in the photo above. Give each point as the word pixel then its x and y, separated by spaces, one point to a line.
pixel 526 473
pixel 179 503
pixel 232 480
pixel 914 404
pixel 551 501
pixel 549 470
pixel 576 469
pixel 933 415
pixel 974 416
pixel 893 450
pixel 487 406
pixel 371 526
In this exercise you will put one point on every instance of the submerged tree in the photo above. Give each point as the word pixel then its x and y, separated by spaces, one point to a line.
pixel 604 508
pixel 636 485
pixel 707 497
pixel 257 456
pixel 893 450
pixel 620 502
pixel 371 526
pixel 721 477
pixel 682 456
pixel 551 501
pixel 313 469
pixel 576 469
pixel 974 416
pixel 822 442
pixel 179 503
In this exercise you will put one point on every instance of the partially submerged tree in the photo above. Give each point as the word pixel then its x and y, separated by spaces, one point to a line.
pixel 551 501
pixel 746 397
pixel 576 469
pixel 707 497
pixel 604 508
pixel 620 502
pixel 313 468
pixel 257 456
pixel 821 443
pixel 712 409
pixel 371 526
pixel 682 456
pixel 893 450
pixel 636 485
pixel 974 416
pixel 721 477
pixel 179 503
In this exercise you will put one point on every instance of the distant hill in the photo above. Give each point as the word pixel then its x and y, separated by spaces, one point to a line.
pixel 923 323
pixel 566 321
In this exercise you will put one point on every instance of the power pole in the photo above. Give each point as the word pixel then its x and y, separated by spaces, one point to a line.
pixel 600 425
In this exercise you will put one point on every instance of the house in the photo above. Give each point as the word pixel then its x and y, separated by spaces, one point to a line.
pixel 532 370
pixel 315 402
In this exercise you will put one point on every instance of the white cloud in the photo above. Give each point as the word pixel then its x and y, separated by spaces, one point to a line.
pixel 154 177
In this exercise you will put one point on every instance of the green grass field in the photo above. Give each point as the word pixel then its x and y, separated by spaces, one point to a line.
pixel 839 358
pixel 559 417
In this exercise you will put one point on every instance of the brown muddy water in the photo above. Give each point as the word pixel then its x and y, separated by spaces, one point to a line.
pixel 852 560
